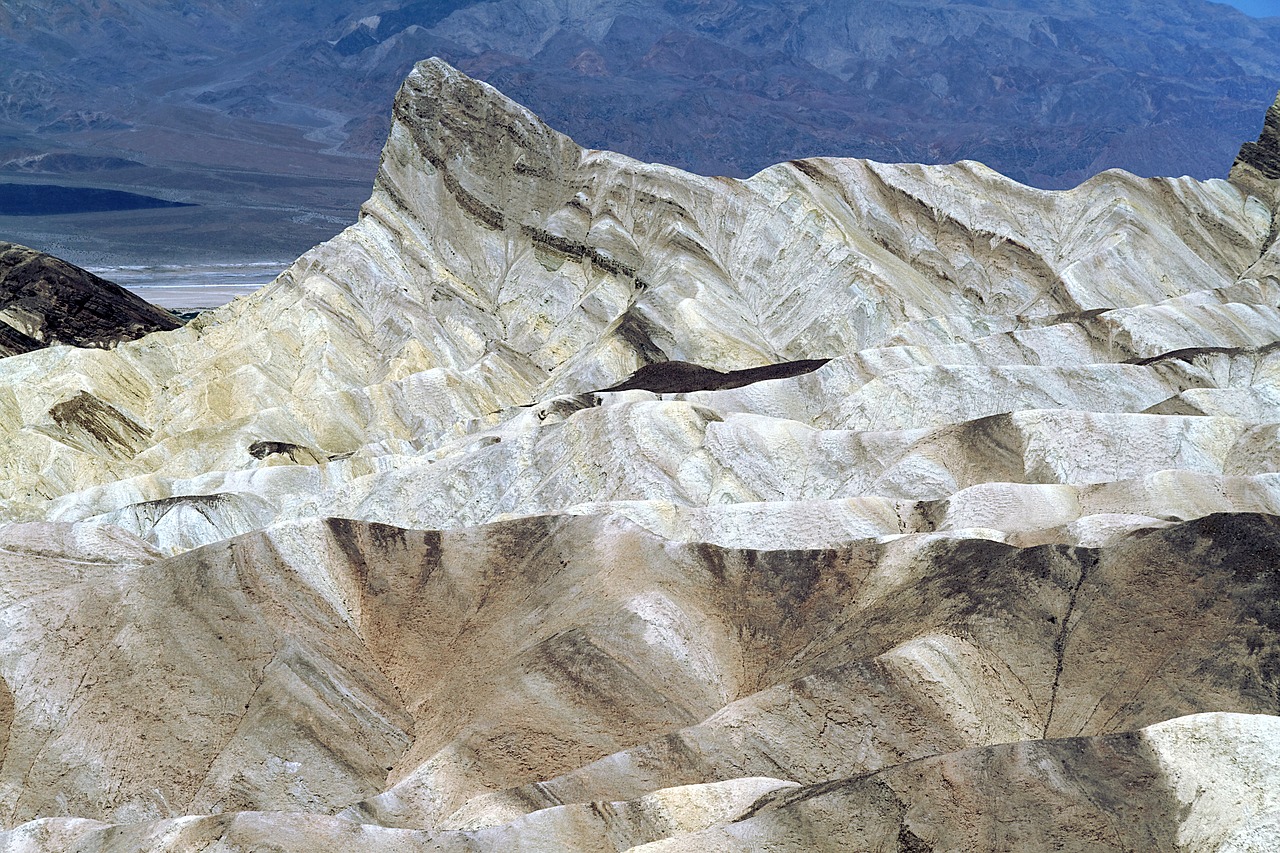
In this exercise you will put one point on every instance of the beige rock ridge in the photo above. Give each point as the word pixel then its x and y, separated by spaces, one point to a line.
pixel 407 552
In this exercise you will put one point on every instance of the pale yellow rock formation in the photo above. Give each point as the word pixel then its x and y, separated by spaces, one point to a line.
pixel 498 265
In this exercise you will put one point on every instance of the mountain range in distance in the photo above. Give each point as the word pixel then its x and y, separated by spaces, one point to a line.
pixel 269 116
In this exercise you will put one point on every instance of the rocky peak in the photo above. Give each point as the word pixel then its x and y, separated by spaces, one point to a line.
pixel 1259 162
pixel 422 546
pixel 45 300
pixel 489 149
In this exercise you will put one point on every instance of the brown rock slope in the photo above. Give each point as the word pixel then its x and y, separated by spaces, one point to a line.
pixel 44 300
pixel 319 665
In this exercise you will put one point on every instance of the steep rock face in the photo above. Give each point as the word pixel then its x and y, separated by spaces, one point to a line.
pixel 1045 796
pixel 566 502
pixel 1257 167
pixel 44 300
pixel 1263 156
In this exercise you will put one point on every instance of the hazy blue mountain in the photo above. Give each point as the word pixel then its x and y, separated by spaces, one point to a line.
pixel 1046 92
pixel 261 102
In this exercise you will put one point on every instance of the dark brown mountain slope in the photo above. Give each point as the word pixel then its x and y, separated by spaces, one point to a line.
pixel 44 301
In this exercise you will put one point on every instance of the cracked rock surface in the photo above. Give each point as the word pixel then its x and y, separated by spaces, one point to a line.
pixel 566 502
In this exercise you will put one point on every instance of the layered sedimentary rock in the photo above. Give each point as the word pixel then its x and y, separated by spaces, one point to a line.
pixel 566 502
pixel 44 301
pixel 1261 159
pixel 492 688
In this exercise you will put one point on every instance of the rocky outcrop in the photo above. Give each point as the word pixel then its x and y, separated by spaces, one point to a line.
pixel 566 502
pixel 499 271
pixel 44 301
pixel 492 688
pixel 1046 795
pixel 1261 159
pixel 1257 167
pixel 679 377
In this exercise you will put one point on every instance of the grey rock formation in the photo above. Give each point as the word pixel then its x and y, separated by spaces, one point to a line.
pixel 566 502
pixel 493 688
pixel 1257 166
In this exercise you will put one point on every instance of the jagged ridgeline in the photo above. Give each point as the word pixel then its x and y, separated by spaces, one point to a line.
pixel 567 502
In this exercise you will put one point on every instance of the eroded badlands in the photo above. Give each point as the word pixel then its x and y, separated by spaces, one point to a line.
pixel 430 546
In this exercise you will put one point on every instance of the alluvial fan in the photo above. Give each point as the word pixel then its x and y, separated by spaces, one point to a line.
pixel 566 502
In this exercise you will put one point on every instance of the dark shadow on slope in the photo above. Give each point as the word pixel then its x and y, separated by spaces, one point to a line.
pixel 682 377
